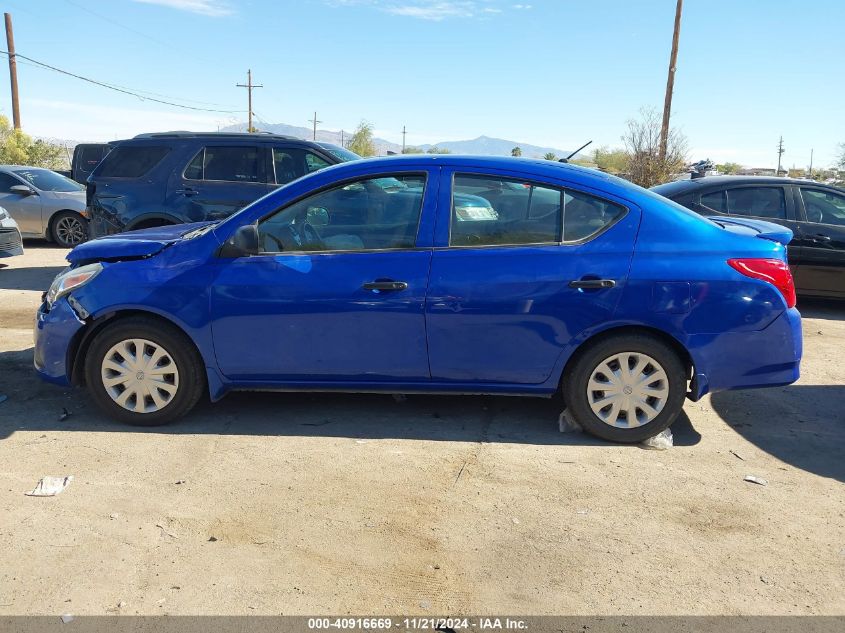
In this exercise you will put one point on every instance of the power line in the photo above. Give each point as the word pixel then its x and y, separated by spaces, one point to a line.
pixel 133 93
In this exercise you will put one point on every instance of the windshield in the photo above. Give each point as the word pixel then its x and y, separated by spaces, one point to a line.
pixel 47 180
pixel 341 153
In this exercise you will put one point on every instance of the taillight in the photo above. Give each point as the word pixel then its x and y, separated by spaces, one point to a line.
pixel 775 271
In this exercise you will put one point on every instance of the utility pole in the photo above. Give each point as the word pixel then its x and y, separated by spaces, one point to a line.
pixel 315 122
pixel 249 86
pixel 342 142
pixel 403 139
pixel 670 81
pixel 13 71
pixel 811 162
pixel 780 153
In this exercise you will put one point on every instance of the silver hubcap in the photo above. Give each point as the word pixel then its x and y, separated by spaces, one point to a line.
pixel 627 390
pixel 70 230
pixel 140 375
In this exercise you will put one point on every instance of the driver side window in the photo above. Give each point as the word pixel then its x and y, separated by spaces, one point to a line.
pixel 362 215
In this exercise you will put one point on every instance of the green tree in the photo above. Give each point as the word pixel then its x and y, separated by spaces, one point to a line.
pixel 516 151
pixel 613 161
pixel 840 161
pixel 361 141
pixel 17 148
pixel 549 156
pixel 438 150
pixel 642 143
pixel 412 149
pixel 729 168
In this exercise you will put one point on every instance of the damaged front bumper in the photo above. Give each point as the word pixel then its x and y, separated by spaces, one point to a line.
pixel 56 330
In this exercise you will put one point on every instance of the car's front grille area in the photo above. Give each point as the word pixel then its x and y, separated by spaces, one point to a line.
pixel 10 241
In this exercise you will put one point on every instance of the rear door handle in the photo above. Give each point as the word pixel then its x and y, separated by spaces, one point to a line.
pixel 187 191
pixel 385 285
pixel 592 284
pixel 818 237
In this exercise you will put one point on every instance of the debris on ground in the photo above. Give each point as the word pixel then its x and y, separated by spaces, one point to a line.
pixel 756 480
pixel 212 539
pixel 180 482
pixel 659 442
pixel 567 424
pixel 65 415
pixel 583 512
pixel 164 531
pixel 67 617
pixel 114 515
pixel 737 455
pixel 49 486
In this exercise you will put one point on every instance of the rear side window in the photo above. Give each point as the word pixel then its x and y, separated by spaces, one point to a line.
pixel 289 163
pixel 231 164
pixel 493 211
pixel 131 161
pixel 758 202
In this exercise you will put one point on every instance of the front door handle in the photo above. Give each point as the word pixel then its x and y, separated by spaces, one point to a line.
pixel 385 285
pixel 592 284
pixel 818 237
pixel 187 191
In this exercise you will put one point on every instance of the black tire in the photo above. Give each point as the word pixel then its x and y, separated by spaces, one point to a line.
pixel 68 229
pixel 576 380
pixel 180 350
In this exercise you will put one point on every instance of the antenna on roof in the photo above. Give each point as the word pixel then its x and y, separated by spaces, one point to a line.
pixel 566 160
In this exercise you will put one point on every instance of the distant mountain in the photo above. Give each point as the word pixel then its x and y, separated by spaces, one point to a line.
pixel 481 146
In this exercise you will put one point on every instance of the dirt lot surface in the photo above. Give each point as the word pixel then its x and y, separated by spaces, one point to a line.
pixel 295 504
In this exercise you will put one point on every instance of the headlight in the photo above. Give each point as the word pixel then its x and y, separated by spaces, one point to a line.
pixel 3 214
pixel 72 279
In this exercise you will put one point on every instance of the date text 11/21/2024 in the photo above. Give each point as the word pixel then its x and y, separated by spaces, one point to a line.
pixel 418 623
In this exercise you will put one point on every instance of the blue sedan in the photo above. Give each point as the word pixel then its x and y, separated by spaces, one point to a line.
pixel 432 274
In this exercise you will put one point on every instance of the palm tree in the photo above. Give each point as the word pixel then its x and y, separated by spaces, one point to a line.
pixel 550 156
pixel 516 151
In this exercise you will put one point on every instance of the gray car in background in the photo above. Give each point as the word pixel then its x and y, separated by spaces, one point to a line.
pixel 10 236
pixel 45 204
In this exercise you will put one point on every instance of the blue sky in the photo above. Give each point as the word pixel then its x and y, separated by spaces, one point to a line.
pixel 547 72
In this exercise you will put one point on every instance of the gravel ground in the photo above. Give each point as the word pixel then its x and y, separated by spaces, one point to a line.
pixel 309 504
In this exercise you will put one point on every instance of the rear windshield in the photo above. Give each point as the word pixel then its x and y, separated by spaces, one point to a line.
pixel 131 161
pixel 341 153
pixel 47 180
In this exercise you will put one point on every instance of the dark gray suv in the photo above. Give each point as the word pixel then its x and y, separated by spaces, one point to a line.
pixel 176 177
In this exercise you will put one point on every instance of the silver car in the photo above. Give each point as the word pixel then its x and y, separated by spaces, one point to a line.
pixel 10 236
pixel 45 204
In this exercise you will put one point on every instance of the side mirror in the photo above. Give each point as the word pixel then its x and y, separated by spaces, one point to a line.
pixel 22 190
pixel 243 243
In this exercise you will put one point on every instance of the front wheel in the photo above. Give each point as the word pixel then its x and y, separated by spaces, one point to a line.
pixel 626 388
pixel 143 372
pixel 69 229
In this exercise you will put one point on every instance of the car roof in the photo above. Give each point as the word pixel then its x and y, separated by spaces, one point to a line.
pixel 23 167
pixel 221 135
pixel 681 186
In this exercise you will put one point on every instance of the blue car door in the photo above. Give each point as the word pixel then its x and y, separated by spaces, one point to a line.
pixel 338 292
pixel 520 267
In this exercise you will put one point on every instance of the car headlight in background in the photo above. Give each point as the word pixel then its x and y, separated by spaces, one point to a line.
pixel 70 280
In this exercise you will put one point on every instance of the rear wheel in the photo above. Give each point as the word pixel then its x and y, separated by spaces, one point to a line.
pixel 144 372
pixel 69 229
pixel 626 388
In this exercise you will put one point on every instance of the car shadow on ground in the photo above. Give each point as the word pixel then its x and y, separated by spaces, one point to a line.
pixel 780 422
pixel 36 406
pixel 828 309
pixel 35 278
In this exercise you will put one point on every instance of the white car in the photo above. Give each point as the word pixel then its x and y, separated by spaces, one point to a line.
pixel 10 236
pixel 45 204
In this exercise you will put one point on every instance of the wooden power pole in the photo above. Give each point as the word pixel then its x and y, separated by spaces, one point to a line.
pixel 249 86
pixel 314 121
pixel 403 139
pixel 670 81
pixel 13 71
